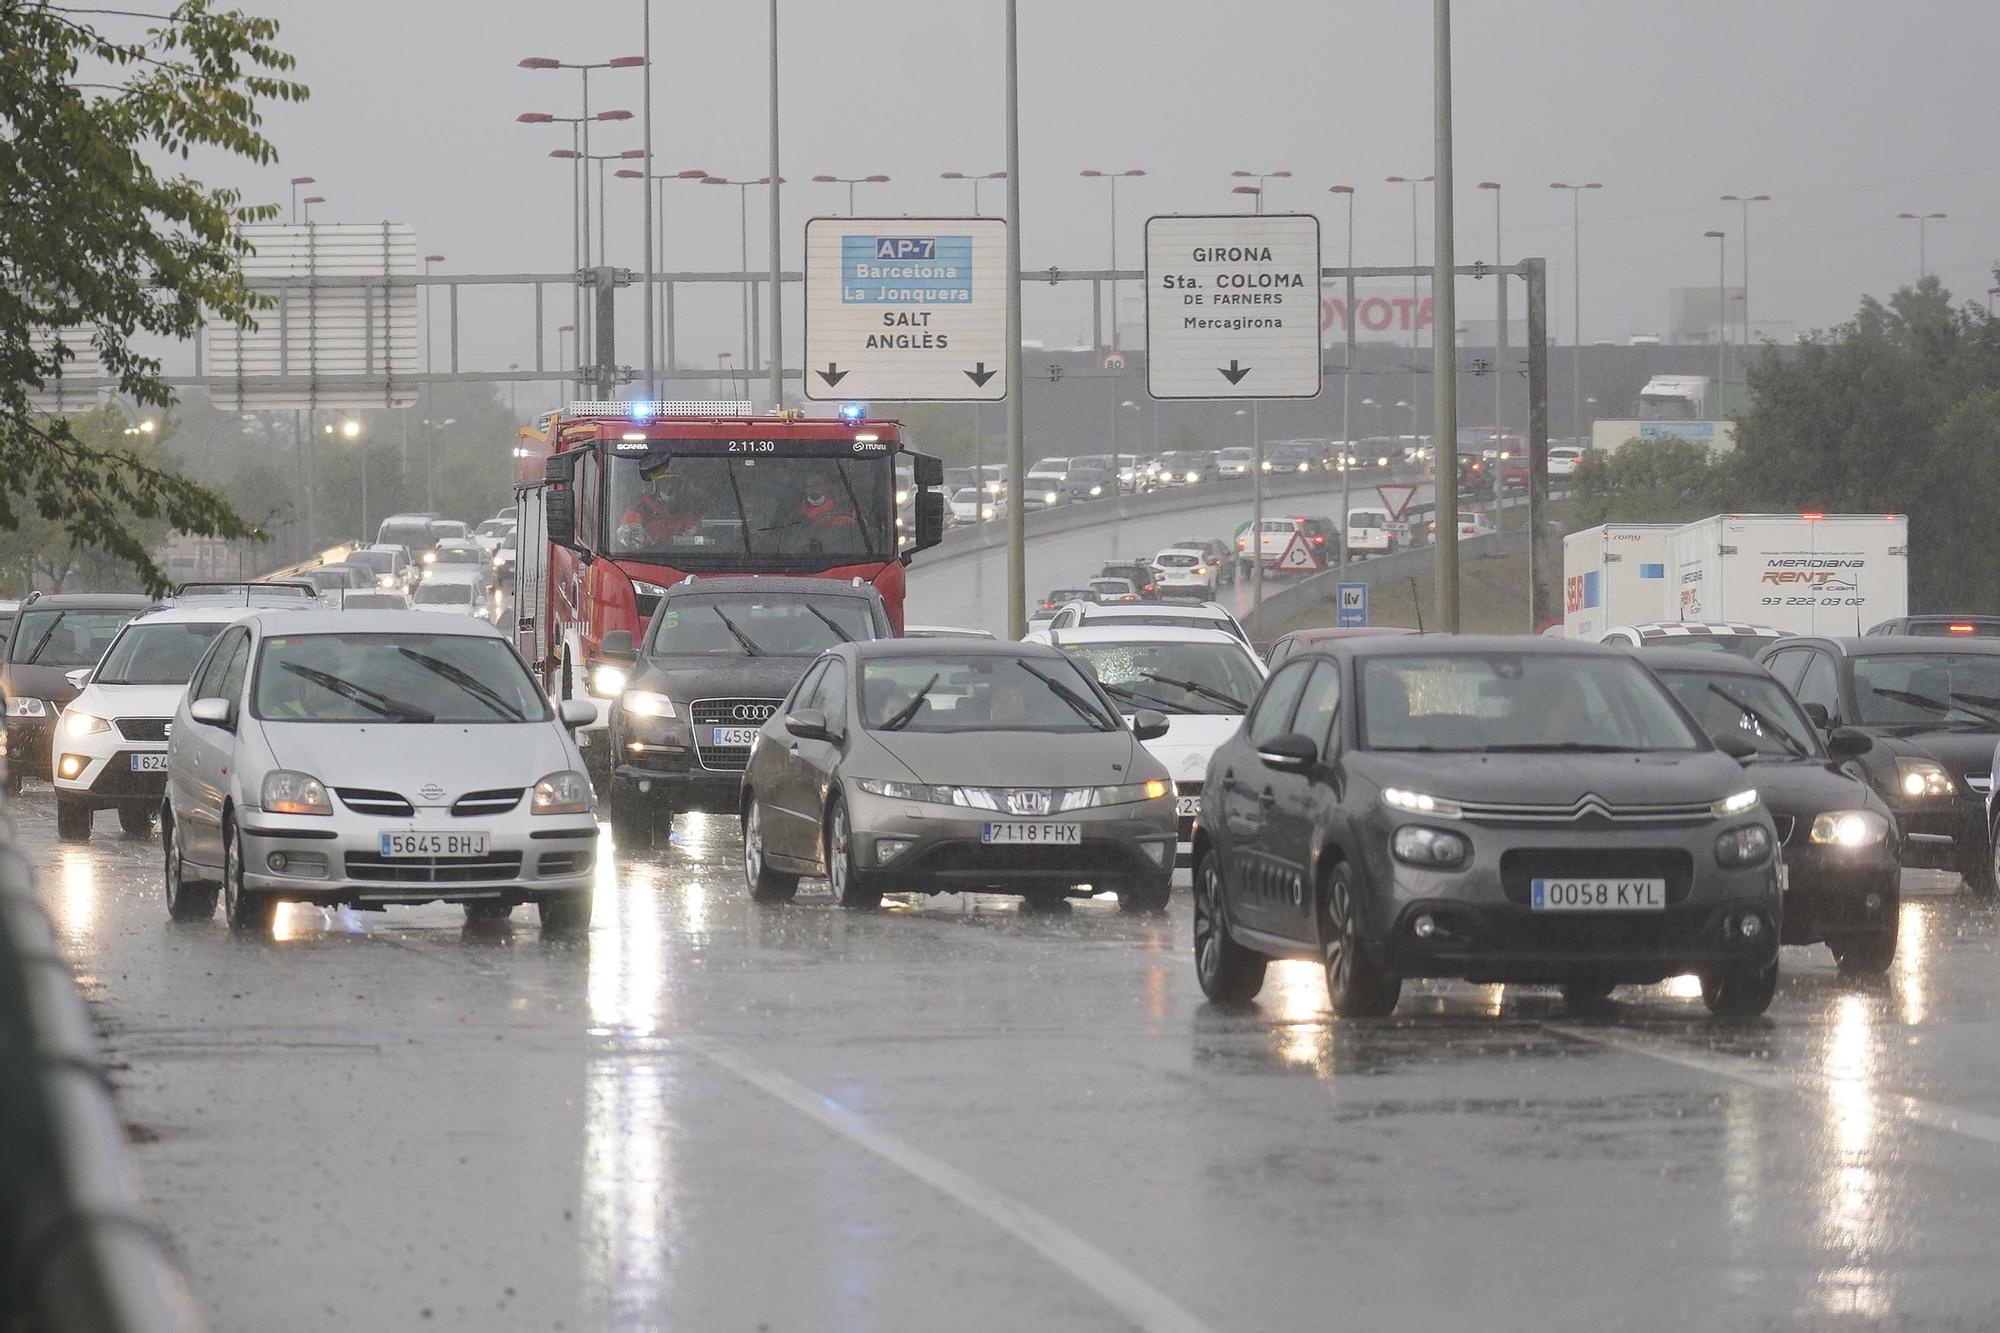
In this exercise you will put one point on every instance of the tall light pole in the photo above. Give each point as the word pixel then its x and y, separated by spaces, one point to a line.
pixel 1746 200
pixel 774 239
pixel 850 182
pixel 309 201
pixel 1499 313
pixel 1444 321
pixel 1576 298
pixel 1256 194
pixel 1260 177
pixel 646 139
pixel 665 342
pixel 297 181
pixel 1721 240
pixel 1923 221
pixel 579 185
pixel 1017 462
pixel 1113 177
pixel 350 430
pixel 430 396
pixel 1346 382
pixel 743 241
pixel 1416 259
pixel 962 176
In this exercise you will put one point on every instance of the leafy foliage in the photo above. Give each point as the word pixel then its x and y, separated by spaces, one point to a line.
pixel 1651 481
pixel 99 244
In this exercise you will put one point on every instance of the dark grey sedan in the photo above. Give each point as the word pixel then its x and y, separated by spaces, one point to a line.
pixel 921 767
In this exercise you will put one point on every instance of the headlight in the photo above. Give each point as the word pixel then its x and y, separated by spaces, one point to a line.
pixel 1734 805
pixel 430 557
pixel 1849 828
pixel 82 724
pixel 1417 803
pixel 501 558
pixel 1193 477
pixel 22 705
pixel 1124 794
pixel 1097 490
pixel 647 703
pixel 386 580
pixel 607 680
pixel 1429 847
pixel 1746 846
pixel 565 793
pixel 909 791
pixel 1922 777
pixel 1050 498
pixel 289 793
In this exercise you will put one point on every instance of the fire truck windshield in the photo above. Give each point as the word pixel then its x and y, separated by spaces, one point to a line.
pixel 707 511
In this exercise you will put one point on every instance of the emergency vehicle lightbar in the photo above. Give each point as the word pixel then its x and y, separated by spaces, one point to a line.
pixel 643 411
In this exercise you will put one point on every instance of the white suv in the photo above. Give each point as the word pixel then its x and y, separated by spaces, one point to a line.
pixel 1184 570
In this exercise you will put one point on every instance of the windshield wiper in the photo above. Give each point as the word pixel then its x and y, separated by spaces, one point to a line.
pixel 1076 701
pixel 830 623
pixel 1983 700
pixel 901 717
pixel 471 684
pixel 1136 696
pixel 1765 721
pixel 373 700
pixel 867 542
pixel 1196 687
pixel 1938 706
pixel 736 632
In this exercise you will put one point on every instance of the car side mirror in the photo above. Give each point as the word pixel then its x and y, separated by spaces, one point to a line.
pixel 930 519
pixel 1149 725
pixel 576 713
pixel 78 678
pixel 808 724
pixel 1816 714
pixel 1289 753
pixel 1847 743
pixel 1734 746
pixel 616 646
pixel 210 712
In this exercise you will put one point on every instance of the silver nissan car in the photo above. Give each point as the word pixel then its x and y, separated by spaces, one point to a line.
pixel 374 758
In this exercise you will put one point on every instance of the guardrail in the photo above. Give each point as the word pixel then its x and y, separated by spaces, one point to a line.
pixel 80 1256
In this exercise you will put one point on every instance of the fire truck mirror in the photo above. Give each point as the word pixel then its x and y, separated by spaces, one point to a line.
pixel 929 471
pixel 560 469
pixel 930 519
pixel 559 517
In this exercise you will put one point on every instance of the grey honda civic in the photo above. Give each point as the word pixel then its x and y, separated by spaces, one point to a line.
pixel 1494 809
pixel 914 766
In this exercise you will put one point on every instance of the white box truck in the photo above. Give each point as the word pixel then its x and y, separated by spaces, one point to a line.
pixel 1614 574
pixel 1807 573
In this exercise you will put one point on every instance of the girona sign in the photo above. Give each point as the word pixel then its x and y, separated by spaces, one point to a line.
pixel 1376 314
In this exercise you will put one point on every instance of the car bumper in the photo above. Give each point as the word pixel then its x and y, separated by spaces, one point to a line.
pixel 107 779
pixel 315 859
pixel 1942 835
pixel 943 849
pixel 28 745
pixel 1831 893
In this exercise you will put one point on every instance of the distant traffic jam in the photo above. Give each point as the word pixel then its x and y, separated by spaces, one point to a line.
pixel 1737 738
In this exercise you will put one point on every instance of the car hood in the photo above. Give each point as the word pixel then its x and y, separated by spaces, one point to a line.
pixel 1191 741
pixel 34 681
pixel 1560 779
pixel 1804 788
pixel 116 701
pixel 1961 751
pixel 1020 758
pixel 407 757
pixel 684 678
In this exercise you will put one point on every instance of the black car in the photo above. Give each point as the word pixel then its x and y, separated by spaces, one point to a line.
pixel 1941 627
pixel 1838 837
pixel 1144 581
pixel 1933 709
pixel 1508 810
pixel 1086 483
pixel 55 634
pixel 717 658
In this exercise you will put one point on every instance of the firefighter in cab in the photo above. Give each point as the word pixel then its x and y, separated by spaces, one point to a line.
pixel 656 517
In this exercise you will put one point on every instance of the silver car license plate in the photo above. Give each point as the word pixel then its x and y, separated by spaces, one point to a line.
pixel 1187 807
pixel 418 842
pixel 740 737
pixel 1597 895
pixel 1057 835
pixel 149 763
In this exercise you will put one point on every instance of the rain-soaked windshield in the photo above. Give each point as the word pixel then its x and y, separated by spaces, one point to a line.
pixel 66 638
pixel 409 677
pixel 756 625
pixel 164 653
pixel 1519 702
pixel 1950 689
pixel 1173 677
pixel 697 511
pixel 1754 709
pixel 984 693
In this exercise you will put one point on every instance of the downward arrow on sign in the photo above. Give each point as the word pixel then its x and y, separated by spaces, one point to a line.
pixel 979 374
pixel 1233 374
pixel 833 374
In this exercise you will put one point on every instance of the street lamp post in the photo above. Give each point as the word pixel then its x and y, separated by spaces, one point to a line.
pixel 309 201
pixel 1499 314
pixel 350 430
pixel 430 401
pixel 1746 200
pixel 1416 256
pixel 850 182
pixel 1721 240
pixel 743 238
pixel 579 186
pixel 565 356
pixel 1257 196
pixel 962 176
pixel 1923 221
pixel 1257 190
pixel 1576 298
pixel 665 323
pixel 297 181
pixel 1346 382
pixel 1113 177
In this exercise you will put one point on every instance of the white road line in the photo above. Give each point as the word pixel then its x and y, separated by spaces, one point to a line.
pixel 1932 1115
pixel 1124 1290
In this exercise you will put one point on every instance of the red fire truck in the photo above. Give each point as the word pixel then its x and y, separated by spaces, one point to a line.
pixel 620 501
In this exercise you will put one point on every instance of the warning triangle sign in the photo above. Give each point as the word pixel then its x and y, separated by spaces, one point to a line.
pixel 1297 556
pixel 1396 496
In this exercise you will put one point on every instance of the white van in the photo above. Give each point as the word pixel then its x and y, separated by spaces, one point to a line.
pixel 1369 533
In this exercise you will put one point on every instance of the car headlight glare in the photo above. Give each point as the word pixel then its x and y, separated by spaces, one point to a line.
pixel 1918 778
pixel 1122 794
pixel 430 557
pixel 909 791
pixel 607 680
pixel 1050 498
pixel 1193 477
pixel 290 793
pixel 1419 846
pixel 78 723
pixel 1419 803
pixel 1741 802
pixel 564 793
pixel 22 705
pixel 1746 846
pixel 646 703
pixel 1849 828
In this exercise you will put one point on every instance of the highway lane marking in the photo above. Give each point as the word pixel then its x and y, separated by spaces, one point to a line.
pixel 1121 1288
pixel 1932 1115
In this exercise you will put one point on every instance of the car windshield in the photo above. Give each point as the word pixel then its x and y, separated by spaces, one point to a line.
pixel 374 601
pixel 702 511
pixel 494 527
pixel 1091 463
pixel 463 679
pixel 747 624
pixel 459 555
pixel 379 562
pixel 967 496
pixel 66 638
pixel 159 654
pixel 445 592
pixel 413 535
pixel 1754 709
pixel 1368 518
pixel 448 529
pixel 942 693
pixel 1051 465
pixel 1111 587
pixel 1072 595
pixel 1173 677
pixel 1177 559
pixel 1516 702
pixel 1951 689
pixel 1737 645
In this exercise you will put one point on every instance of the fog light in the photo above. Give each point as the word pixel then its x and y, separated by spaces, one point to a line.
pixel 1751 926
pixel 1424 928
pixel 1157 851
pixel 72 764
pixel 888 849
pixel 1873 902
pixel 277 861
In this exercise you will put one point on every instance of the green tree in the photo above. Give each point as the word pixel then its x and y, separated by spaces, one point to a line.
pixel 1651 481
pixel 97 245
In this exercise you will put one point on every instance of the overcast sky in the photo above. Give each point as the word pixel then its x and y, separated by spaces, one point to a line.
pixel 1845 111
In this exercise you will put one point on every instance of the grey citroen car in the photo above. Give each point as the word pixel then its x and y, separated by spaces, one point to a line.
pixel 928 767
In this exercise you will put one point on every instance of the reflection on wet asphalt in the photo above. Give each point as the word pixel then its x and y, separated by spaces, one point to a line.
pixel 955 1113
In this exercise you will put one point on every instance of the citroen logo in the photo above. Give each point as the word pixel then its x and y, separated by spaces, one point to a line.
pixel 430 791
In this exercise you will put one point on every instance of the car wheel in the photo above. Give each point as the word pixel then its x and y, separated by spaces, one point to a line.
pixel 1145 895
pixel 13 782
pixel 1741 992
pixel 136 820
pixel 246 911
pixel 1983 876
pixel 73 819
pixel 851 885
pixel 766 885
pixel 1357 987
pixel 187 900
pixel 1229 973
pixel 632 820
pixel 488 909
pixel 564 913
pixel 1584 995
pixel 1867 954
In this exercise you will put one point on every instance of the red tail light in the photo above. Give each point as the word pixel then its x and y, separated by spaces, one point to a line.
pixel 1318 540
pixel 1961 629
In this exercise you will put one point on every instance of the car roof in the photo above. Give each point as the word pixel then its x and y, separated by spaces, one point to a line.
pixel 274 623
pixel 1324 633
pixel 90 601
pixel 1145 634
pixel 1698 628
pixel 1197 610
pixel 1694 659
pixel 1882 645
pixel 199 613
pixel 869 649
pixel 947 632
pixel 446 574
pixel 1413 645
pixel 773 583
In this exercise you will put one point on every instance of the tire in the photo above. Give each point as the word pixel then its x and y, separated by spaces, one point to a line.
pixel 565 913
pixel 1356 986
pixel 1229 973
pixel 1983 875
pixel 136 820
pixel 851 885
pixel 632 817
pixel 187 900
pixel 1740 992
pixel 1867 954
pixel 488 909
pixel 13 782
pixel 1582 996
pixel 73 820
pixel 766 885
pixel 1141 895
pixel 246 911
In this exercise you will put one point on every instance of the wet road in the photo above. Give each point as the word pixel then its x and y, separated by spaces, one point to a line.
pixel 709 1115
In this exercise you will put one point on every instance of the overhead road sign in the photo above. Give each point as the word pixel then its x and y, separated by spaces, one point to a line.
pixel 906 309
pixel 1233 306
pixel 1396 497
